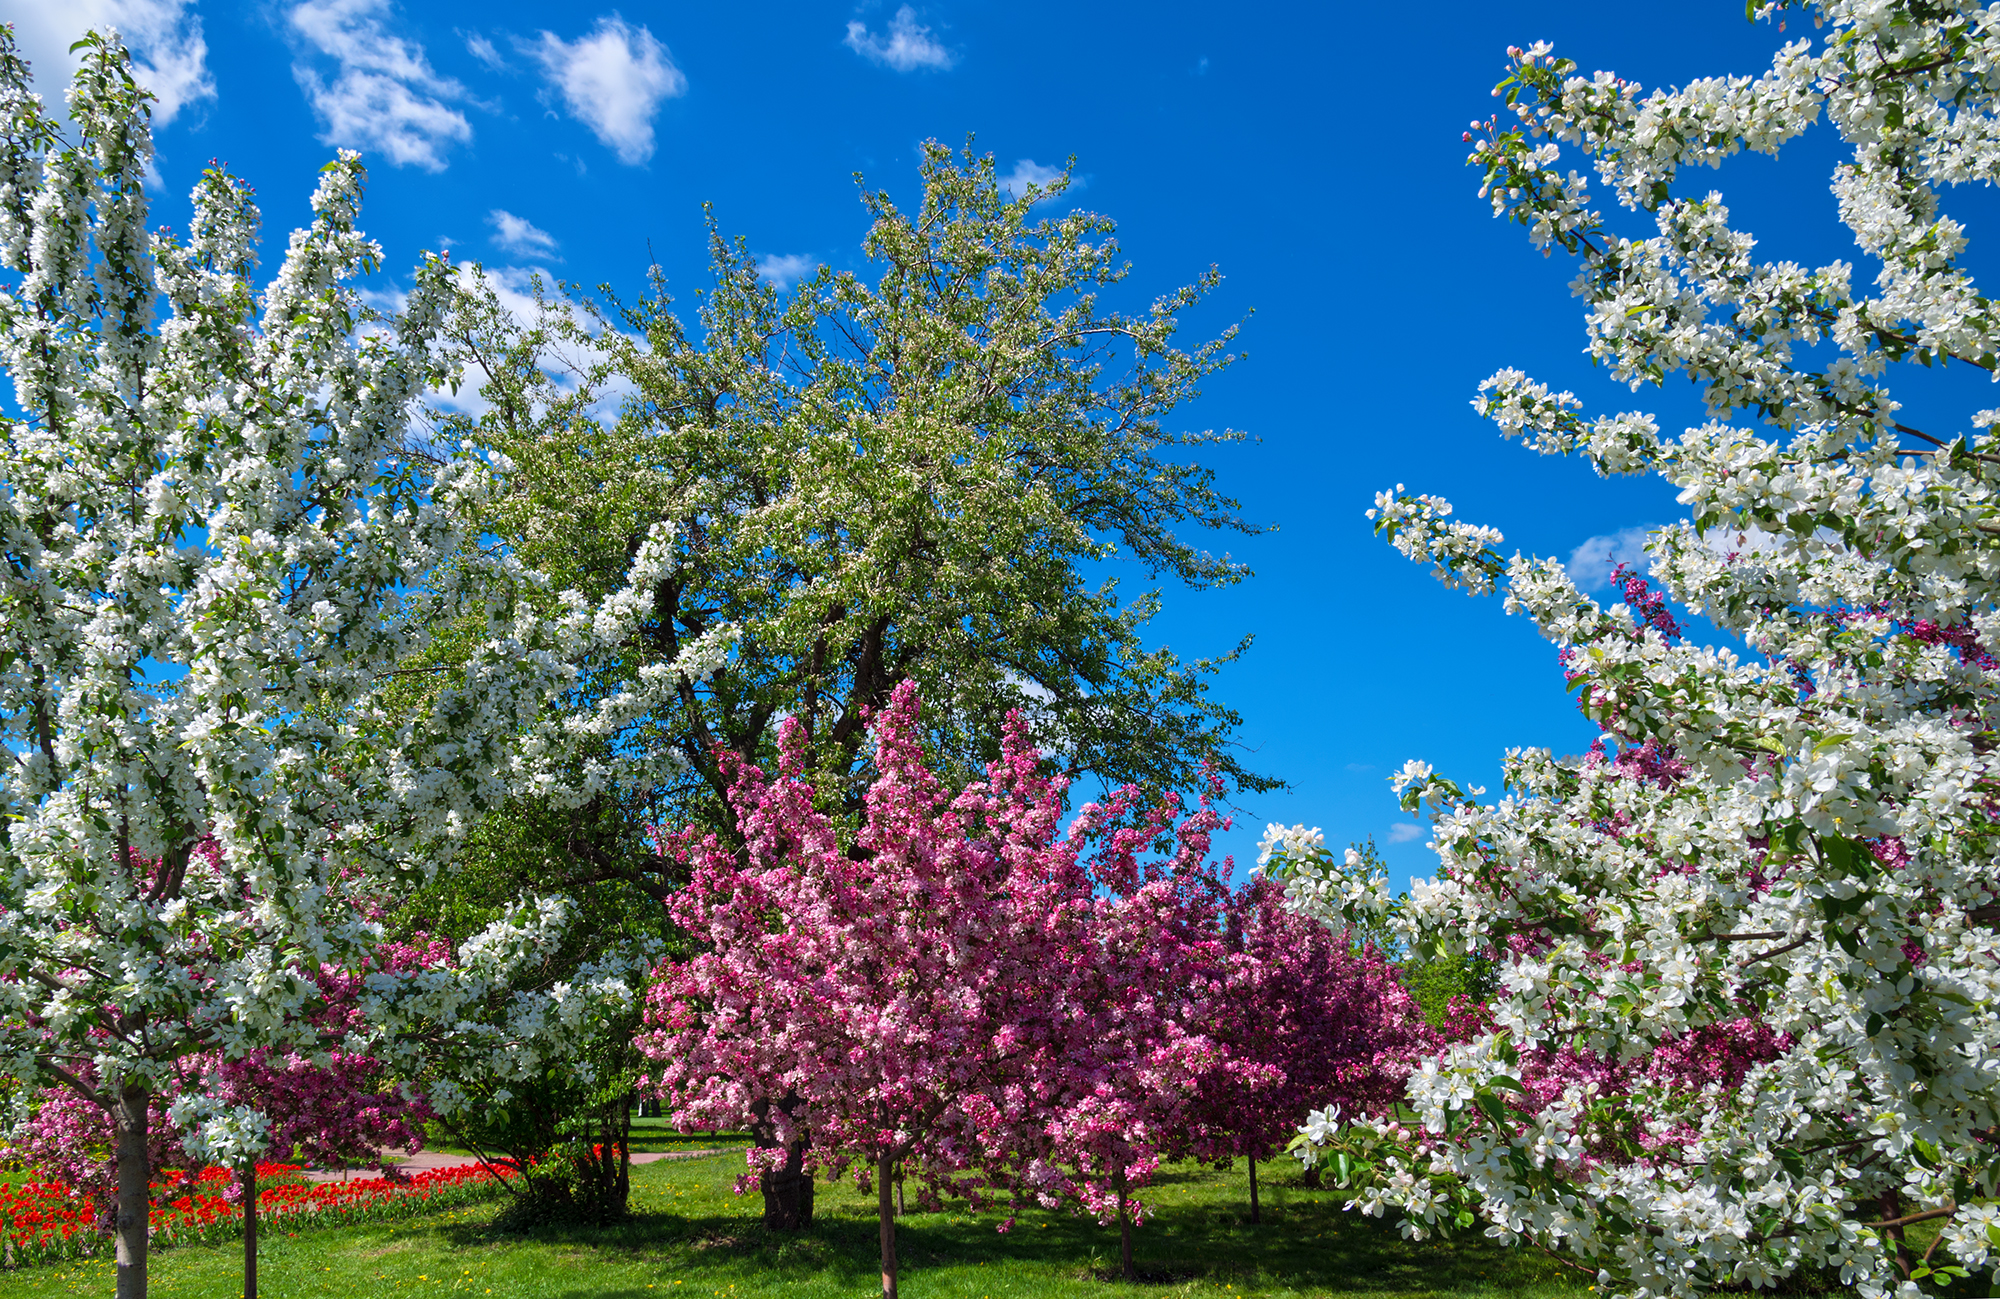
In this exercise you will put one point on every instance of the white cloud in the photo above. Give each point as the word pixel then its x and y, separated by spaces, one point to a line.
pixel 784 270
pixel 908 47
pixel 169 56
pixel 1404 832
pixel 1591 563
pixel 613 81
pixel 482 49
pixel 520 236
pixel 384 94
pixel 1029 172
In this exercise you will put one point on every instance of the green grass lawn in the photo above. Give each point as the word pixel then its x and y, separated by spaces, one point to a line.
pixel 691 1235
pixel 647 1135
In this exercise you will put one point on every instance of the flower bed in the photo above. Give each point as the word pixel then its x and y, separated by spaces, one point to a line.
pixel 42 1222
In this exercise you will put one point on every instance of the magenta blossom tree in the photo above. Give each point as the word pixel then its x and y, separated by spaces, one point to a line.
pixel 860 997
pixel 1304 1020
pixel 958 989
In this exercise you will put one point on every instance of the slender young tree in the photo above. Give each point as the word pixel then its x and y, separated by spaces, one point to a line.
pixel 870 994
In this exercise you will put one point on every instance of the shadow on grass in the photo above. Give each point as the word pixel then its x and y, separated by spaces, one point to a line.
pixel 1306 1243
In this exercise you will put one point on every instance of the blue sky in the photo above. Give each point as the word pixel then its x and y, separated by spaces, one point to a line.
pixel 1311 151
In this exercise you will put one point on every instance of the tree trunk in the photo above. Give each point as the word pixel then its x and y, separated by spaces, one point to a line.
pixel 624 1190
pixel 900 1210
pixel 249 1180
pixel 788 1190
pixel 1890 1206
pixel 885 1210
pixel 1125 1233
pixel 128 1116
pixel 1254 1217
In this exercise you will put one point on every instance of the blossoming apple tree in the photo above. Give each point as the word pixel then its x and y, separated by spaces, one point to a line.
pixel 215 559
pixel 1305 1018
pixel 1747 1021
pixel 1014 1012
pixel 894 998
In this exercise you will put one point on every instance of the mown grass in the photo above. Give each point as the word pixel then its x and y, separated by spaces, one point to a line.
pixel 647 1135
pixel 690 1235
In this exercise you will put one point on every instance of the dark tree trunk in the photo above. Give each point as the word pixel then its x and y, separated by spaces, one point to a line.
pixel 885 1211
pixel 1254 1215
pixel 249 1180
pixel 788 1190
pixel 128 1116
pixel 624 1188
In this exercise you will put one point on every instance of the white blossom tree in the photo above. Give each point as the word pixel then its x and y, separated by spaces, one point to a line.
pixel 216 558
pixel 1747 1023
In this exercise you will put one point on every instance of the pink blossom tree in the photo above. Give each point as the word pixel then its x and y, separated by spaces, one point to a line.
pixel 1304 1019
pixel 870 999
pixel 1015 1013
pixel 1115 1095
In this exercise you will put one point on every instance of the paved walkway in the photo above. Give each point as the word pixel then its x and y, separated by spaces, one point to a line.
pixel 425 1160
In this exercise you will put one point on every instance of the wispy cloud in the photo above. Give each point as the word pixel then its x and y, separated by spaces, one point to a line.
pixel 383 94
pixel 1029 172
pixel 1591 563
pixel 784 270
pixel 907 47
pixel 483 49
pixel 1404 832
pixel 520 236
pixel 169 56
pixel 612 81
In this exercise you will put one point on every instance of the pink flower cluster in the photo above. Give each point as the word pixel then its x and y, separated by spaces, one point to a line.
pixel 1008 1011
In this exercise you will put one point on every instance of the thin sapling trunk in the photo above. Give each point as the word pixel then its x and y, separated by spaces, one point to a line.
pixel 886 1211
pixel 248 1178
pixel 1254 1215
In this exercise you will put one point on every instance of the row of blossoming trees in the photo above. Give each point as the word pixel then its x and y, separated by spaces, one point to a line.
pixel 265 670
pixel 271 660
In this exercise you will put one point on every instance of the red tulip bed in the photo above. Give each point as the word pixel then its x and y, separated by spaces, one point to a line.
pixel 42 1222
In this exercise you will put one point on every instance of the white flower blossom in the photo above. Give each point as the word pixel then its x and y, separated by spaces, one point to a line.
pixel 1797 841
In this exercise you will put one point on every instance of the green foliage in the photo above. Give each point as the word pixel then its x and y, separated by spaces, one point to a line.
pixel 567 1123
pixel 903 477
pixel 1434 981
